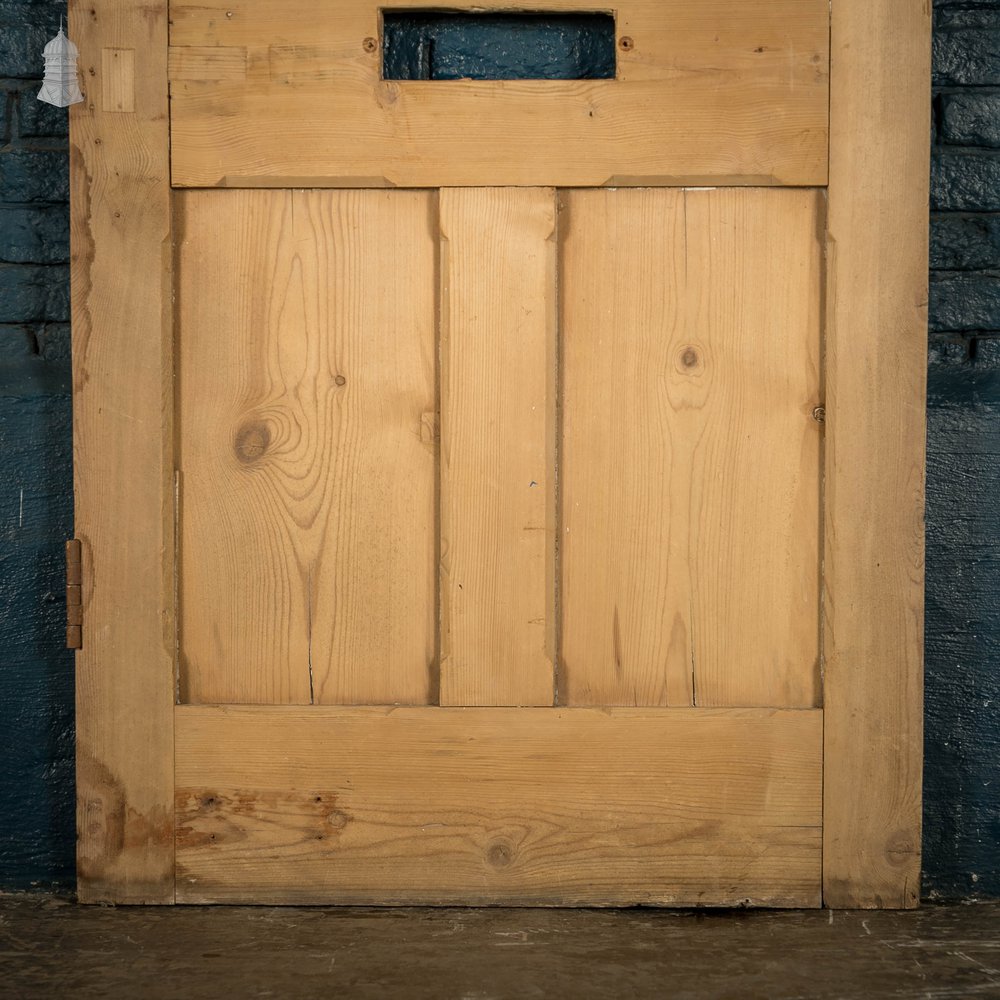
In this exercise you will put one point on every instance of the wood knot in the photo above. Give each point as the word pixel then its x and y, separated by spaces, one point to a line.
pixel 689 358
pixel 500 854
pixel 387 94
pixel 337 819
pixel 900 849
pixel 252 440
pixel 340 380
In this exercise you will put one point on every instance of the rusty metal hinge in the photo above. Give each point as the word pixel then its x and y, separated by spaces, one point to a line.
pixel 74 594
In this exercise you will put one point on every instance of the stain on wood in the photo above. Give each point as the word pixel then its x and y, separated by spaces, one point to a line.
pixel 111 832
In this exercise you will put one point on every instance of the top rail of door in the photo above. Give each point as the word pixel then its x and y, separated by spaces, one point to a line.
pixel 285 93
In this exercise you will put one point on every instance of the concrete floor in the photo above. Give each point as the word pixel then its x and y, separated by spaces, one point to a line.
pixel 54 948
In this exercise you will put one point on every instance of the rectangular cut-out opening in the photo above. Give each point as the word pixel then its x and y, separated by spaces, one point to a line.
pixel 497 45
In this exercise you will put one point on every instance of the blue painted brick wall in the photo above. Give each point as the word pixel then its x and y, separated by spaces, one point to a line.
pixel 962 749
pixel 36 674
pixel 962 790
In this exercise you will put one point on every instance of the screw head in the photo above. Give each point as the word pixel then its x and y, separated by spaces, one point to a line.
pixel 625 43
pixel 819 414
pixel 370 44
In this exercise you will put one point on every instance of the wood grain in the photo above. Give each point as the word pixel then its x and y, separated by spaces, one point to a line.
pixel 122 457
pixel 118 80
pixel 714 91
pixel 690 466
pixel 498 360
pixel 306 406
pixel 208 62
pixel 876 385
pixel 484 806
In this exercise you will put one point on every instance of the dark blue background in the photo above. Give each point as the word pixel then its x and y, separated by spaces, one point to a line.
pixel 962 775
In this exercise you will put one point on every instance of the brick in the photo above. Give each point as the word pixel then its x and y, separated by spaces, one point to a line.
pixel 967 56
pixel 963 371
pixel 36 118
pixel 32 293
pixel 34 359
pixel 988 356
pixel 22 115
pixel 34 175
pixel 967 15
pixel 54 342
pixel 964 300
pixel 34 234
pixel 971 119
pixel 965 182
pixel 946 351
pixel 965 242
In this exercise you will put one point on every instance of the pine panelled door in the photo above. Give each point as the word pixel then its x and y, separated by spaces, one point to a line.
pixel 500 491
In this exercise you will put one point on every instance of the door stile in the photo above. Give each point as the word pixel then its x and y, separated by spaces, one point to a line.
pixel 876 370
pixel 121 279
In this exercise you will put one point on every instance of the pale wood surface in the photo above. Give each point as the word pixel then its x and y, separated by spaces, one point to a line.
pixel 876 384
pixel 208 62
pixel 117 80
pixel 498 358
pixel 306 399
pixel 527 806
pixel 121 273
pixel 720 91
pixel 690 465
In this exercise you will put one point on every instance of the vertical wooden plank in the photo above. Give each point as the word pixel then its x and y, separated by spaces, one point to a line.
pixel 754 321
pixel 690 464
pixel 498 344
pixel 121 289
pixel 876 385
pixel 307 452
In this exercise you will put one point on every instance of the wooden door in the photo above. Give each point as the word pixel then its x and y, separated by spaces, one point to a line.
pixel 500 491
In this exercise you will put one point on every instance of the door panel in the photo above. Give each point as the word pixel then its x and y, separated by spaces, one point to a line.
pixel 627 348
pixel 498 481
pixel 690 467
pixel 517 806
pixel 307 454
